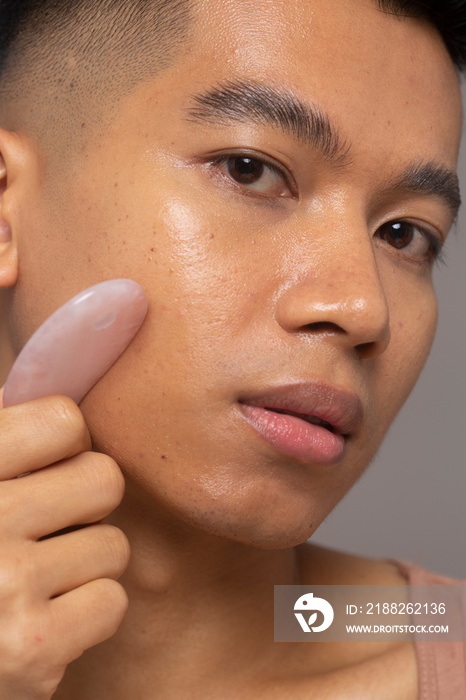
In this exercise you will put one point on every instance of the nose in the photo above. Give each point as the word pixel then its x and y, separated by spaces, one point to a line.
pixel 336 289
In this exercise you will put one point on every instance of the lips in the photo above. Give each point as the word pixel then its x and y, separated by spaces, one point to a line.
pixel 308 421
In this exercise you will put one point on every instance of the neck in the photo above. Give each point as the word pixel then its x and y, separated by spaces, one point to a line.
pixel 185 611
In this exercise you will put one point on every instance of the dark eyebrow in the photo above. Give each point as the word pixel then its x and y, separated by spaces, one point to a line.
pixel 258 103
pixel 429 179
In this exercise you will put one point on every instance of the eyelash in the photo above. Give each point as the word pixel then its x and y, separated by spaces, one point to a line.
pixel 261 159
pixel 437 252
pixel 434 254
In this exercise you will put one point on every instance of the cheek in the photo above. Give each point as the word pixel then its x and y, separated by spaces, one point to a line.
pixel 66 243
pixel 203 278
pixel 416 330
pixel 413 328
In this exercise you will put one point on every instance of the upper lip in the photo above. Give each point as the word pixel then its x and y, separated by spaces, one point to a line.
pixel 341 409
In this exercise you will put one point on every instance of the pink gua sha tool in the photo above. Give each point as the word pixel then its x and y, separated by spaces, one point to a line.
pixel 78 343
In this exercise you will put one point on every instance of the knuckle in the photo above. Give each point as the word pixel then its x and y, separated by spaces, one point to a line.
pixel 116 600
pixel 107 473
pixel 64 415
pixel 116 542
pixel 109 605
pixel 102 475
pixel 22 631
pixel 22 649
pixel 8 509
pixel 16 576
pixel 10 575
pixel 39 433
pixel 27 657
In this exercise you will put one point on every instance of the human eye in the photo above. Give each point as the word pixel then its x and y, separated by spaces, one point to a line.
pixel 414 240
pixel 255 174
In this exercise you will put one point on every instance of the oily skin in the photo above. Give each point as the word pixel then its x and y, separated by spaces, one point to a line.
pixel 235 283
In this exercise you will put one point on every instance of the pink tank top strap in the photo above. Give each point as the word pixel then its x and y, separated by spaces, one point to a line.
pixel 441 665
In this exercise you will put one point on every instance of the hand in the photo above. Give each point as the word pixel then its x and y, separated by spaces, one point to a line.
pixel 58 594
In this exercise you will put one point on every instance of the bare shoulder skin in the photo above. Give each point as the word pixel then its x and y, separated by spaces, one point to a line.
pixel 320 565
pixel 362 670
pixel 264 190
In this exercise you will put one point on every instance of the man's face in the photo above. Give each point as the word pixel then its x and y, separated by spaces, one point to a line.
pixel 282 266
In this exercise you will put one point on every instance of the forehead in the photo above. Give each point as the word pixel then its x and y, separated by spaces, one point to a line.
pixel 382 79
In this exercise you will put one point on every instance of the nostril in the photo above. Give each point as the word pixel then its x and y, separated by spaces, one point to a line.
pixel 374 348
pixel 326 326
pixel 366 349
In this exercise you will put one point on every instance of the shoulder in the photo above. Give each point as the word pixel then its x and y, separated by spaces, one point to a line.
pixel 320 565
pixel 383 669
pixel 415 574
pixel 440 667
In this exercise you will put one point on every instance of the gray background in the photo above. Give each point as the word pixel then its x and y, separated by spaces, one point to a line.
pixel 410 504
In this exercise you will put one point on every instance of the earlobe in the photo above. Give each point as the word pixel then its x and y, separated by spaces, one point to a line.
pixel 8 261
pixel 8 249
pixel 5 230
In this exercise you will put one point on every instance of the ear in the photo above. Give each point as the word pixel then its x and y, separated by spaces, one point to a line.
pixel 11 166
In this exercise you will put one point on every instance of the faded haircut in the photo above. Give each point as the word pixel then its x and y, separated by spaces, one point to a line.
pixel 60 59
pixel 447 16
pixel 60 56
pixel 38 29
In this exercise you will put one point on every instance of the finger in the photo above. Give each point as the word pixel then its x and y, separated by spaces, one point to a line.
pixel 1 397
pixel 39 433
pixel 86 616
pixel 81 490
pixel 69 561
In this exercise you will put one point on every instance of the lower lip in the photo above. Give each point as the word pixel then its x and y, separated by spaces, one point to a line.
pixel 295 437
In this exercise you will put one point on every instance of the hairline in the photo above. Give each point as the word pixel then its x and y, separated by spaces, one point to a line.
pixel 104 82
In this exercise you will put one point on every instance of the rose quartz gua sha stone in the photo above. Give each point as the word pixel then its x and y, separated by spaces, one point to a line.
pixel 75 346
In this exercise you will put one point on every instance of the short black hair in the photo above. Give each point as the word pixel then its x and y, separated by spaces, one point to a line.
pixel 64 55
pixel 447 16
pixel 22 22
pixel 71 56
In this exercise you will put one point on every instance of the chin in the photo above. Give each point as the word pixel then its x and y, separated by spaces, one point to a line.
pixel 263 527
